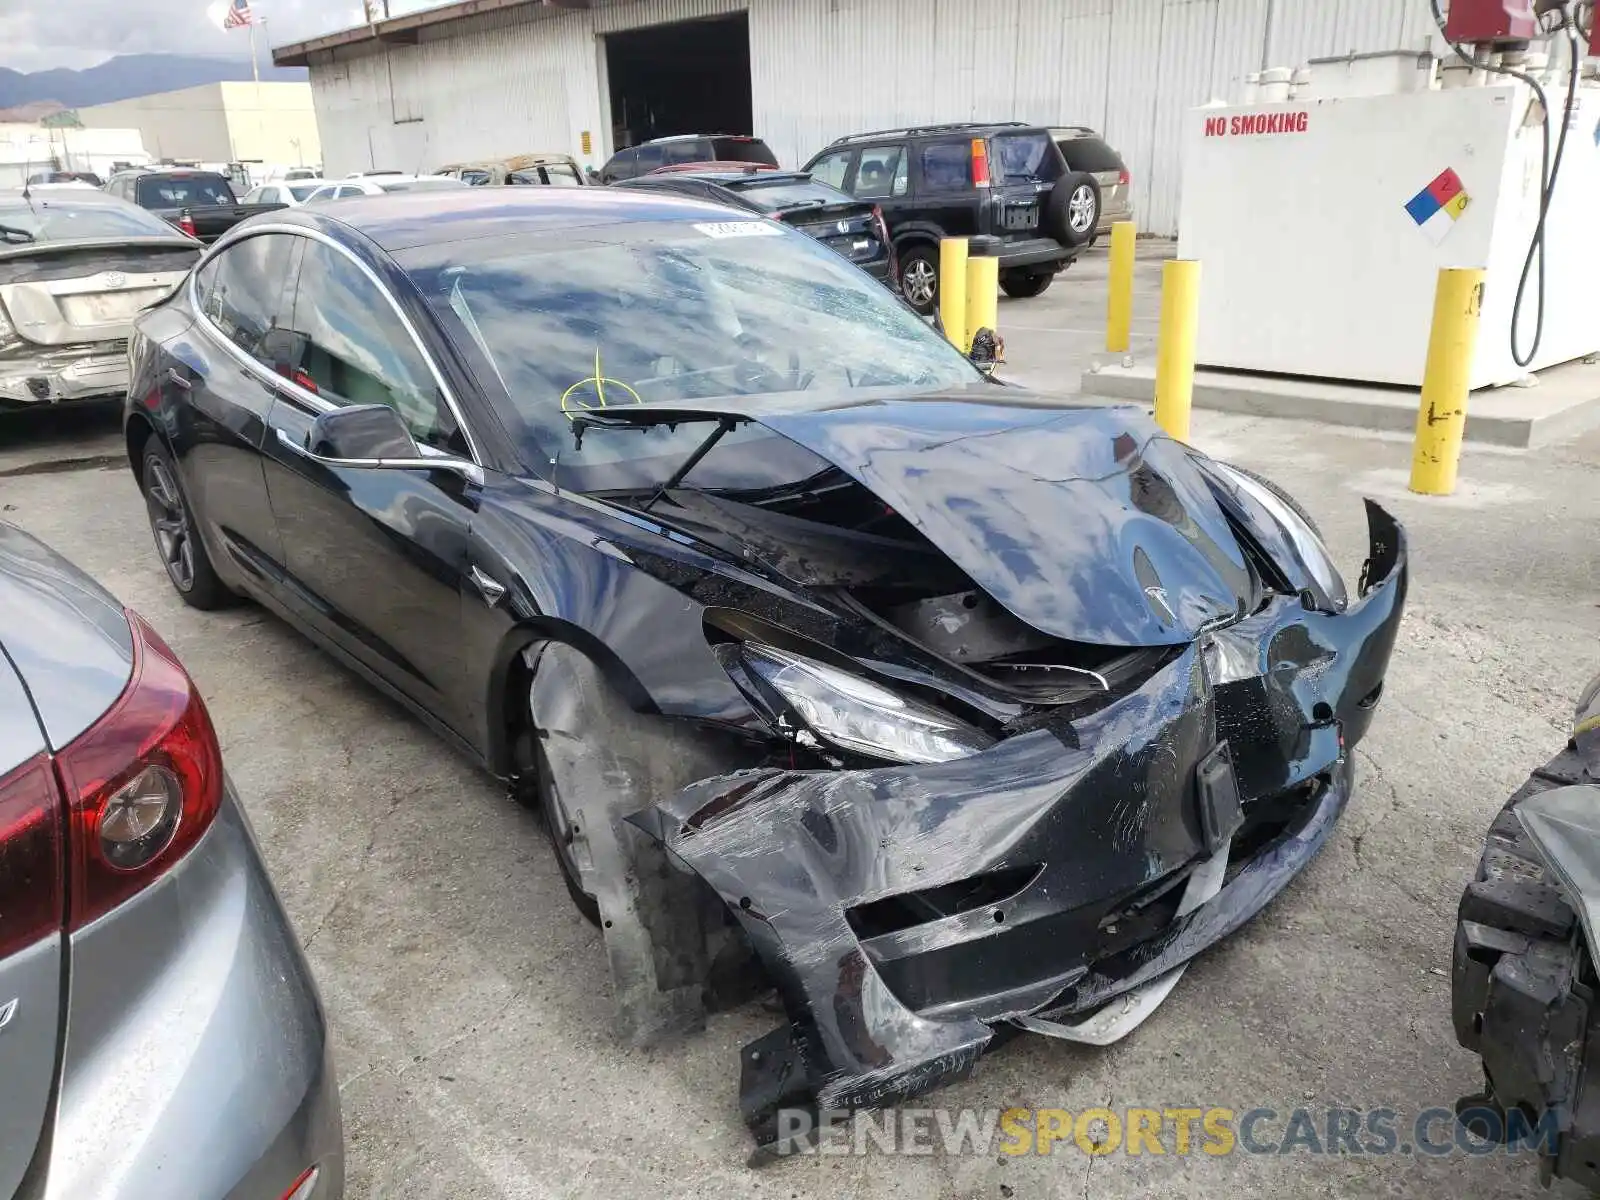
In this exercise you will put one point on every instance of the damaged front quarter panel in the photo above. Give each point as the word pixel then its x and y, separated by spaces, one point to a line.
pixel 909 915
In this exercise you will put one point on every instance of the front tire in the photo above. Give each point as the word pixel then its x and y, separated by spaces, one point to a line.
pixel 172 523
pixel 919 279
pixel 1021 286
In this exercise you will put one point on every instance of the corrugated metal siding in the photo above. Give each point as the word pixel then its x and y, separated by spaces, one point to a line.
pixel 532 78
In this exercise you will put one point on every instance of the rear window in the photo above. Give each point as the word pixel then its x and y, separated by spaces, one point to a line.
pixel 62 217
pixel 1090 154
pixel 750 150
pixel 184 191
pixel 302 191
pixel 1025 156
pixel 787 194
pixel 547 175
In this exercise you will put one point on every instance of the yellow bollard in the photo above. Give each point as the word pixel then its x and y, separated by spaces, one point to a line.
pixel 1180 318
pixel 1119 309
pixel 953 291
pixel 983 296
pixel 1442 416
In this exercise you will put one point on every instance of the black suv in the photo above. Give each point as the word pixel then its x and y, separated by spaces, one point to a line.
pixel 684 148
pixel 1007 180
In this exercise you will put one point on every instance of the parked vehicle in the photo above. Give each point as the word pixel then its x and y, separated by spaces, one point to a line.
pixel 1090 154
pixel 76 266
pixel 547 170
pixel 297 174
pixel 1523 978
pixel 685 148
pixel 937 181
pixel 852 227
pixel 84 177
pixel 201 203
pixel 158 1022
pixel 288 194
pixel 725 560
pixel 381 185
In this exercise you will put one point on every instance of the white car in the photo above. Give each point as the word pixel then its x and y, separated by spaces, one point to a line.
pixel 293 194
pixel 379 184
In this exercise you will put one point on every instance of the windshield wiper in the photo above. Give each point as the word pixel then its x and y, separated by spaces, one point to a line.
pixel 726 424
pixel 13 236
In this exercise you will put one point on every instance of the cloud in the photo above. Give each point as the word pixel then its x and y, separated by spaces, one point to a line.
pixel 81 33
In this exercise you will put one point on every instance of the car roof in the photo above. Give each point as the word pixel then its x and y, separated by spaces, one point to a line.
pixel 404 220
pixel 912 131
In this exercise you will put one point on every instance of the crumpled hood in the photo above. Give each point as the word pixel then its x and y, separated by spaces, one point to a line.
pixel 1090 524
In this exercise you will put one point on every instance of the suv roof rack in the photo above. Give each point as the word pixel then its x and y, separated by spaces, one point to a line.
pixel 915 130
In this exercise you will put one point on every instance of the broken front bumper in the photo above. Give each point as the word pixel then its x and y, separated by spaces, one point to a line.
pixel 910 915
pixel 65 373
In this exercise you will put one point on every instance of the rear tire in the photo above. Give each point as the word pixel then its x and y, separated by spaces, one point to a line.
pixel 1021 286
pixel 919 278
pixel 172 523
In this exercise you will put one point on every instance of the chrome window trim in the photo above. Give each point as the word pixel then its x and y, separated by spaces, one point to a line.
pixel 317 403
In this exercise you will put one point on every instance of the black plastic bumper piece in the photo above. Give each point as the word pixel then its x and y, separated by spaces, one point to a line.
pixel 1523 997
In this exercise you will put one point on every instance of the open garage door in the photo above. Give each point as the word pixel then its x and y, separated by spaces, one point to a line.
pixel 689 77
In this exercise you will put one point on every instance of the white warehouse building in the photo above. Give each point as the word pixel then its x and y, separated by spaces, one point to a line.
pixel 493 78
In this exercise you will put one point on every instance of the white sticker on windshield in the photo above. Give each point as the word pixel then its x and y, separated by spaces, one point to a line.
pixel 733 229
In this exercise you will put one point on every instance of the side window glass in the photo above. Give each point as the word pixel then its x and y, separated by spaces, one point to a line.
pixel 833 168
pixel 245 296
pixel 354 351
pixel 682 152
pixel 882 173
pixel 650 157
pixel 947 166
pixel 621 167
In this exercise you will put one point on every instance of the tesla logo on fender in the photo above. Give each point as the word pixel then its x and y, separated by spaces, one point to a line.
pixel 1159 595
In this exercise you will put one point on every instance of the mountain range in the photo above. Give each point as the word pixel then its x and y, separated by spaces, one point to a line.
pixel 130 75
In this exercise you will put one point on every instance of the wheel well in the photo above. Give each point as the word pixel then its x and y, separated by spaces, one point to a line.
pixel 916 241
pixel 512 678
pixel 139 431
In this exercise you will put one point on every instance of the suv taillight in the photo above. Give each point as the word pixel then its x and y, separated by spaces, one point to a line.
pixel 141 784
pixel 1124 178
pixel 30 856
pixel 186 223
pixel 980 162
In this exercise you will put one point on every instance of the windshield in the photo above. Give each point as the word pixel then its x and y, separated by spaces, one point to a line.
pixel 781 195
pixel 60 216
pixel 1027 156
pixel 667 311
pixel 184 191
pixel 302 191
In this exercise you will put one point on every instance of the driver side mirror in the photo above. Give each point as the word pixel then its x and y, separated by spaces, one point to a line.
pixel 361 432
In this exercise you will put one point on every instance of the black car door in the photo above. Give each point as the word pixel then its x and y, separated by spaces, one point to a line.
pixel 211 376
pixel 882 177
pixel 942 185
pixel 376 555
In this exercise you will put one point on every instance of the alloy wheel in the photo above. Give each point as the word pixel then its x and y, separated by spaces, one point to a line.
pixel 169 521
pixel 919 281
pixel 1081 209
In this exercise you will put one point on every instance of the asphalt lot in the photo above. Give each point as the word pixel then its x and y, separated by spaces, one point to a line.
pixel 469 1000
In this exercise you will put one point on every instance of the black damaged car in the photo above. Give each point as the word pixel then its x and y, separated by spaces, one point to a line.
pixel 834 666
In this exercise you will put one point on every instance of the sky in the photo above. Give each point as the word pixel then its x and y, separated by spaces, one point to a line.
pixel 81 33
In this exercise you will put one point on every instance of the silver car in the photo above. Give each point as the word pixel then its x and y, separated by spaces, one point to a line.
pixel 76 266
pixel 159 1031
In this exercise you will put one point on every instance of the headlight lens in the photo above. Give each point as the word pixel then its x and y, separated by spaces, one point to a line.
pixel 859 716
pixel 1308 546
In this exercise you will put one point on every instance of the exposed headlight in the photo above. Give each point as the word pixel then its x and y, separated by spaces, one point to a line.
pixel 1308 546
pixel 854 714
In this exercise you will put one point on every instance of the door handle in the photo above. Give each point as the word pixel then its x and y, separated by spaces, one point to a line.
pixel 177 379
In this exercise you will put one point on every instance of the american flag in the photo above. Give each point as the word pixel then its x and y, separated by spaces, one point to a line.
pixel 238 15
